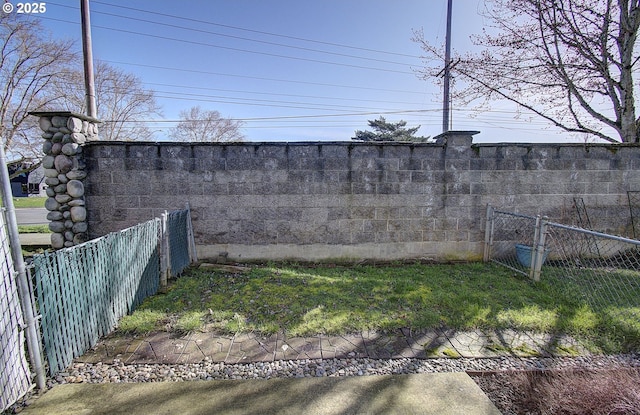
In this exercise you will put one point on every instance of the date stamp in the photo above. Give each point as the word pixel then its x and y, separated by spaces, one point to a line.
pixel 24 8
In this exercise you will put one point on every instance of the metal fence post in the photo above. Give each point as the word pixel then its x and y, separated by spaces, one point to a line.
pixel 538 249
pixel 165 254
pixel 534 248
pixel 193 255
pixel 488 234
pixel 29 314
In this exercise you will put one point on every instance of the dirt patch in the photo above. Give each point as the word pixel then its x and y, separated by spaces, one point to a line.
pixel 564 392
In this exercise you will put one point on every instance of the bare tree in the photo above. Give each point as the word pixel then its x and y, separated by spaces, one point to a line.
pixel 122 102
pixel 198 125
pixel 30 63
pixel 571 62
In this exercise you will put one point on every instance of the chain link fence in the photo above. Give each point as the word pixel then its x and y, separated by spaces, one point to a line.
pixel 598 268
pixel 602 270
pixel 507 234
pixel 634 210
pixel 15 378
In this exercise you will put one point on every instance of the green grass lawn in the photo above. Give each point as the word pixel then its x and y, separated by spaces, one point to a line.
pixel 34 229
pixel 303 300
pixel 29 202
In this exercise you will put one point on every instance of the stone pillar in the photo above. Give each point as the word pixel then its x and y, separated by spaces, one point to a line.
pixel 64 170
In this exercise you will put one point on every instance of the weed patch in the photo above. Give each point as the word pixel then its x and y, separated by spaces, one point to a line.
pixel 141 322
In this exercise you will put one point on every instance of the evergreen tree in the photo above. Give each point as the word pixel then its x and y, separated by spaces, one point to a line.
pixel 386 131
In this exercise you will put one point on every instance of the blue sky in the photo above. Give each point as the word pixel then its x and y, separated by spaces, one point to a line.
pixel 291 70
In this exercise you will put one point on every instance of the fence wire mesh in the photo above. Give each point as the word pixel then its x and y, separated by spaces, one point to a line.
pixel 601 270
pixel 634 211
pixel 82 291
pixel 15 379
pixel 510 235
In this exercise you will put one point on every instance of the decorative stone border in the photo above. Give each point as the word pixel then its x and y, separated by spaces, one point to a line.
pixel 64 170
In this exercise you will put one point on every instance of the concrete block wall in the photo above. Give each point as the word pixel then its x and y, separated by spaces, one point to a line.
pixel 545 180
pixel 349 200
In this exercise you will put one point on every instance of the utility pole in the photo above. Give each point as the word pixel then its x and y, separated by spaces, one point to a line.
pixel 447 72
pixel 87 53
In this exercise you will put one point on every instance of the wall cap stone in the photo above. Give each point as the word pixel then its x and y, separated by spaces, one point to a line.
pixel 65 114
pixel 263 143
pixel 559 144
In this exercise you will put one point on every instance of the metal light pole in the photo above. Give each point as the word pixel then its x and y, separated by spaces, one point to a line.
pixel 87 53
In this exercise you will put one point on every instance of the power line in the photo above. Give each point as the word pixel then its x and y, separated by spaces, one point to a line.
pixel 261 78
pixel 254 104
pixel 279 94
pixel 255 31
pixel 192 42
pixel 286 117
pixel 507 118
pixel 318 106
pixel 251 101
pixel 264 93
pixel 479 120
pixel 191 29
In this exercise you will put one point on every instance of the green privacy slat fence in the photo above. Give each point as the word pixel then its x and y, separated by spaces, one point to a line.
pixel 15 379
pixel 178 229
pixel 82 291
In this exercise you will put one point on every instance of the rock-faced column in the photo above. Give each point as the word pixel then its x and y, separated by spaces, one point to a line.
pixel 64 170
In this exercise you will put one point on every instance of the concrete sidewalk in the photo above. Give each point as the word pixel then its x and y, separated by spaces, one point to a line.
pixel 434 393
pixel 35 239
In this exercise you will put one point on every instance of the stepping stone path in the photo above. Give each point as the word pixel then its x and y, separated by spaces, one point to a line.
pixel 168 348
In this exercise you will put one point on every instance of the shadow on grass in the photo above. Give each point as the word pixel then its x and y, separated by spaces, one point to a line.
pixel 302 300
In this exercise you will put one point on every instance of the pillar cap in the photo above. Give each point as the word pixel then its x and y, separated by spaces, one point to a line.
pixel 65 114
pixel 443 138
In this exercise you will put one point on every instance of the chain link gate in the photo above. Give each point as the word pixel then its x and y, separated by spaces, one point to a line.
pixel 600 268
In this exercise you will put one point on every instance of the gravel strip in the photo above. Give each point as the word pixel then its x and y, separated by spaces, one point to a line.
pixel 207 370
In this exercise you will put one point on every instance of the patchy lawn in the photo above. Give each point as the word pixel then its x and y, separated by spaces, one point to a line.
pixel 305 300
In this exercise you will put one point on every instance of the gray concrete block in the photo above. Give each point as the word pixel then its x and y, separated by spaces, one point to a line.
pixel 177 151
pixel 397 151
pixel 362 150
pixel 338 150
pixel 297 151
pixel 104 150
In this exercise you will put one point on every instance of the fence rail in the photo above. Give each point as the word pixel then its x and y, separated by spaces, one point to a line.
pixel 599 268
